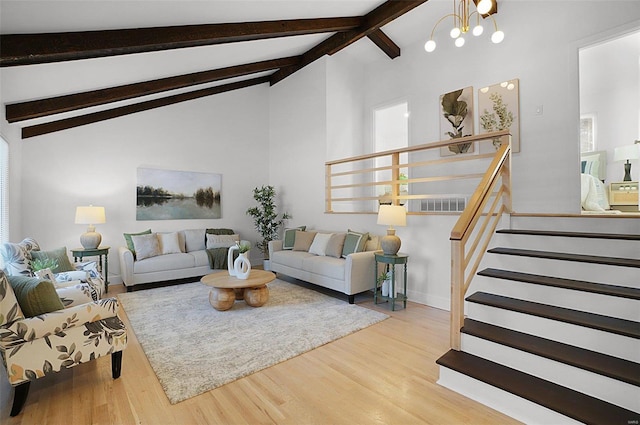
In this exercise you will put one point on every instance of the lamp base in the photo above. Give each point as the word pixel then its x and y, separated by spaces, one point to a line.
pixel 90 239
pixel 390 243
pixel 627 172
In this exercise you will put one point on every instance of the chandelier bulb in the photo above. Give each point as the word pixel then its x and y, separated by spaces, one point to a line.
pixel 455 32
pixel 484 6
pixel 459 42
pixel 478 30
pixel 497 37
pixel 430 46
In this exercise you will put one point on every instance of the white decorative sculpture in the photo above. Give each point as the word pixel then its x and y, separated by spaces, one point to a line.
pixel 230 263
pixel 242 266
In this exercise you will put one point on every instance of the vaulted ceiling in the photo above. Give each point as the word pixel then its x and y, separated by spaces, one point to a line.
pixel 198 48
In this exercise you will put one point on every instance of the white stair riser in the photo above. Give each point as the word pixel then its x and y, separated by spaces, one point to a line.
pixel 623 308
pixel 599 386
pixel 502 401
pixel 622 225
pixel 597 273
pixel 579 336
pixel 586 246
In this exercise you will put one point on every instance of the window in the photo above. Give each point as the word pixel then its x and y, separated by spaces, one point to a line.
pixel 4 191
pixel 587 133
pixel 391 131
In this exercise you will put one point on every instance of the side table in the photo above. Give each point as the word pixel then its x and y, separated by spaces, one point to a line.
pixel 102 252
pixel 391 261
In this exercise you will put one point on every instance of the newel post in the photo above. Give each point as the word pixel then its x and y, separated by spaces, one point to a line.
pixel 457 292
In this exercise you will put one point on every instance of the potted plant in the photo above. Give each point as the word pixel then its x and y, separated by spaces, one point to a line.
pixel 384 280
pixel 266 219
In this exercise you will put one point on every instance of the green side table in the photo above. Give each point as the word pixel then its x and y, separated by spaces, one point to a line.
pixel 391 261
pixel 102 252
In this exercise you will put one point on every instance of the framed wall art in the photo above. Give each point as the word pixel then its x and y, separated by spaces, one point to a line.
pixel 456 120
pixel 498 109
pixel 174 195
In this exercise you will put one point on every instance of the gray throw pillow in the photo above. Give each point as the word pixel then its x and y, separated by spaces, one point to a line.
pixel 147 246
pixel 354 242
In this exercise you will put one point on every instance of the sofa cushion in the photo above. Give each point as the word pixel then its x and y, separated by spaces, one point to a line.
pixel 325 266
pixel 354 242
pixel 59 255
pixel 335 245
pixel 169 243
pixel 291 259
pixel 129 241
pixel 35 296
pixel 164 262
pixel 194 239
pixel 146 246
pixel 303 240
pixel 289 237
pixel 200 258
pixel 319 244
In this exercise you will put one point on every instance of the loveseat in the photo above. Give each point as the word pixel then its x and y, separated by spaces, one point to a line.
pixel 170 256
pixel 341 261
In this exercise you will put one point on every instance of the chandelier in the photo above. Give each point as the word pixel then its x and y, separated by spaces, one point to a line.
pixel 461 22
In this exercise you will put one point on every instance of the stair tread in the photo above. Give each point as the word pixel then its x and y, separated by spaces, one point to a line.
pixel 573 404
pixel 589 235
pixel 615 261
pixel 580 285
pixel 595 321
pixel 602 364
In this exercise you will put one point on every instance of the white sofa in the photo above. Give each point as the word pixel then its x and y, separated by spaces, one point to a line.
pixel 350 275
pixel 191 261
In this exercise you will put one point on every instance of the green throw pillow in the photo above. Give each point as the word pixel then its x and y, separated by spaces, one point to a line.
pixel 35 296
pixel 127 238
pixel 59 255
pixel 289 239
pixel 220 231
pixel 354 242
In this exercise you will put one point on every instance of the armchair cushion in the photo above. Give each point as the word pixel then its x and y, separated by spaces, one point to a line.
pixel 59 255
pixel 35 296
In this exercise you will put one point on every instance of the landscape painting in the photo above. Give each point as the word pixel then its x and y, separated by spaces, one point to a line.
pixel 174 195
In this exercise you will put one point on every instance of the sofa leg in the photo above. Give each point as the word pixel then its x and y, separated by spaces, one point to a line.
pixel 116 364
pixel 352 299
pixel 20 397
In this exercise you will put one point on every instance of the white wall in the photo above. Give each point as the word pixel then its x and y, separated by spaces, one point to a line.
pixel 540 48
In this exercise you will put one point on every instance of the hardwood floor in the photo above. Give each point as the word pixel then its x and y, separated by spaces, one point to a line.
pixel 384 374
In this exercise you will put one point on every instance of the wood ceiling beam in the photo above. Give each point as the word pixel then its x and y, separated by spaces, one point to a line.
pixel 378 17
pixel 27 49
pixel 385 44
pixel 54 105
pixel 53 126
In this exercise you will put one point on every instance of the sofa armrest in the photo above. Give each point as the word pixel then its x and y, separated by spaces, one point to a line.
pixel 274 246
pixel 58 321
pixel 359 273
pixel 126 264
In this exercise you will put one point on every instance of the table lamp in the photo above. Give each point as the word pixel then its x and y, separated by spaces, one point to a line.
pixel 627 152
pixel 90 215
pixel 391 215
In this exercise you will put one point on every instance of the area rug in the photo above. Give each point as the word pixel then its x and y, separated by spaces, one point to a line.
pixel 193 348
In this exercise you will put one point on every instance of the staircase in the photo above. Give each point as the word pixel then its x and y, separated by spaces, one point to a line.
pixel 552 327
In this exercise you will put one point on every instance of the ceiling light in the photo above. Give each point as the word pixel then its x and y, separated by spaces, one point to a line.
pixel 461 17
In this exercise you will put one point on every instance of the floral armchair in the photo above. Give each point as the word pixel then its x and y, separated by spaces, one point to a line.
pixel 74 327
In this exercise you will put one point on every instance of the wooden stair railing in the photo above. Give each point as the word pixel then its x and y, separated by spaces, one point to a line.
pixel 490 200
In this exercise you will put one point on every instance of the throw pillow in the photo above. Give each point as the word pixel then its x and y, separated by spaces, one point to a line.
pixel 319 244
pixel 8 302
pixel 335 245
pixel 17 256
pixel 289 237
pixel 147 246
pixel 35 296
pixel 169 243
pixel 221 241
pixel 220 231
pixel 194 239
pixel 354 242
pixel 303 240
pixel 59 255
pixel 127 238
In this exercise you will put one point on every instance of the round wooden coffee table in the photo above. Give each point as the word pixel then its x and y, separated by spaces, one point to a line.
pixel 226 289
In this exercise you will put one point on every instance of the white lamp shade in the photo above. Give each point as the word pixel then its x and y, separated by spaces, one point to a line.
pixel 626 152
pixel 90 215
pixel 392 215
